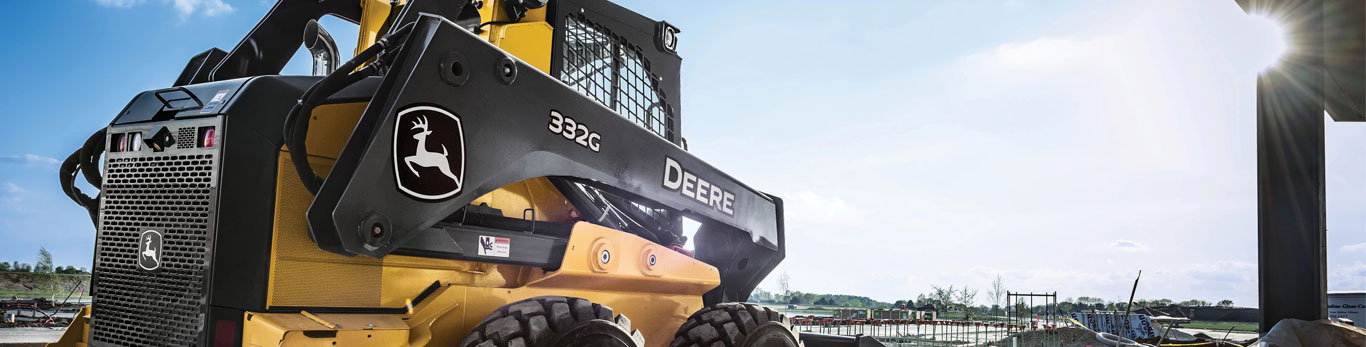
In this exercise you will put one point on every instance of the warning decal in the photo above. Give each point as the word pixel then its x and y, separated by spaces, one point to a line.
pixel 493 246
pixel 217 99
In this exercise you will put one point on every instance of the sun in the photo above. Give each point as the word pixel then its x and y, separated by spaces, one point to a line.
pixel 1272 41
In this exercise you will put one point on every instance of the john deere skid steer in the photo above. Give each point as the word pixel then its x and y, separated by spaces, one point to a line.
pixel 482 173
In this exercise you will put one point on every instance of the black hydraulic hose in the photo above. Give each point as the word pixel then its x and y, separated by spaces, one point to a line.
pixel 84 162
pixel 296 122
pixel 90 158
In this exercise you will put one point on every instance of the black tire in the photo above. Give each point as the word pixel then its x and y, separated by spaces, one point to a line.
pixel 737 325
pixel 554 321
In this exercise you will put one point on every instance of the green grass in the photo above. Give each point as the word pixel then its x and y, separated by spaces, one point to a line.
pixel 1221 326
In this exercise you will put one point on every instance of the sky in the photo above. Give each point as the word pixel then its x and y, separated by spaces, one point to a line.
pixel 1062 145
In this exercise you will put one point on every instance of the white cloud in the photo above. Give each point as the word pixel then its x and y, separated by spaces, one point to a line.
pixel 1044 54
pixel 31 160
pixel 9 195
pixel 1347 277
pixel 209 8
pixel 119 3
pixel 1354 248
pixel 810 206
pixel 1128 246
pixel 185 8
pixel 11 188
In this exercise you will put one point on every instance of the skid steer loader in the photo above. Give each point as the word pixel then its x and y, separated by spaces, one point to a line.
pixel 482 173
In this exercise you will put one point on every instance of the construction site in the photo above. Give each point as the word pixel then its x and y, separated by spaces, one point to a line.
pixel 499 173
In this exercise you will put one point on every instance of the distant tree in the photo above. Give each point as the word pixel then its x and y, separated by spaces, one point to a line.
pixel 899 304
pixel 4 266
pixel 965 298
pixel 1226 303
pixel 759 295
pixel 943 297
pixel 998 291
pixel 46 278
pixel 44 264
pixel 785 283
pixel 1194 303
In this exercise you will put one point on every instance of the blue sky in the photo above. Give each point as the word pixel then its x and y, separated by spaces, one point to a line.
pixel 1064 145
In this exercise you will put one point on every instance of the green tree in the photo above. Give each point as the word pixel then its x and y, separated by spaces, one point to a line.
pixel 44 264
pixel 943 297
pixel 4 266
pixel 44 269
pixel 1226 303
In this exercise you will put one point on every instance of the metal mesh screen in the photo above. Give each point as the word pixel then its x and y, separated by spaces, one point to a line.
pixel 171 194
pixel 185 137
pixel 612 71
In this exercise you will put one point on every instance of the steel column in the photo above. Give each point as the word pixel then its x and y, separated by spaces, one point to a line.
pixel 1291 222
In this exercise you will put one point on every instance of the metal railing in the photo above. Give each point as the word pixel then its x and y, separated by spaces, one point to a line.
pixel 918 332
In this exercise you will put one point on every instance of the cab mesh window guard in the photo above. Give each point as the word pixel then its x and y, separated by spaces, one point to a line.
pixel 612 71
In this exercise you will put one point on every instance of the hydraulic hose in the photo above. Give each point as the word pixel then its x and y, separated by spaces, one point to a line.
pixel 296 122
pixel 84 162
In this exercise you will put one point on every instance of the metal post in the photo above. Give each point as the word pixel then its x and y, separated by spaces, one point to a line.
pixel 1291 262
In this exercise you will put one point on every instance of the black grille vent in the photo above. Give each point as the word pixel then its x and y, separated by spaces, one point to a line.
pixel 185 138
pixel 612 71
pixel 173 195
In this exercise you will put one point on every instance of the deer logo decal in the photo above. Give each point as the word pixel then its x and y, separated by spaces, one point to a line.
pixel 149 250
pixel 429 153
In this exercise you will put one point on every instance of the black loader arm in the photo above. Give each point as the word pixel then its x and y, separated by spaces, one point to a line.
pixel 269 45
pixel 455 118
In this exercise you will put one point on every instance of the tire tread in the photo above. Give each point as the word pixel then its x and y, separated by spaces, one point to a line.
pixel 727 325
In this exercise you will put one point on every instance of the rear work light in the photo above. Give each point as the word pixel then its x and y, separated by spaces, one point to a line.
pixel 118 142
pixel 206 137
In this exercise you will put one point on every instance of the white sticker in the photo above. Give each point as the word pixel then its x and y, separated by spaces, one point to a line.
pixel 492 246
pixel 219 96
pixel 217 99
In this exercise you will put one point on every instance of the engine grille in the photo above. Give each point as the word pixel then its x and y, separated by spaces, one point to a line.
pixel 173 194
pixel 612 71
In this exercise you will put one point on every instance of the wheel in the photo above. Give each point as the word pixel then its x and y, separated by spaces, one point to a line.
pixel 554 321
pixel 737 325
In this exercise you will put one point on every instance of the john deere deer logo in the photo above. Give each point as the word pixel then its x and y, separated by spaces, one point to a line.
pixel 429 153
pixel 149 250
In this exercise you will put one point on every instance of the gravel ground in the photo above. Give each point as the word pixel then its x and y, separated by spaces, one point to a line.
pixel 1068 337
pixel 24 337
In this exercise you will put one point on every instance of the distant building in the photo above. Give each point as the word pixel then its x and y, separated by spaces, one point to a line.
pixel 1347 305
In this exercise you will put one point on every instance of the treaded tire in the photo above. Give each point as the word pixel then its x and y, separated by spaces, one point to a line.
pixel 736 325
pixel 554 321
